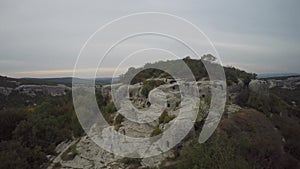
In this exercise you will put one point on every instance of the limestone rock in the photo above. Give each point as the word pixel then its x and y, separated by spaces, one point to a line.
pixel 259 86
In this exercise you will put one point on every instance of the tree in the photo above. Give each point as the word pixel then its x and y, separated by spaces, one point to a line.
pixel 9 119
pixel 15 156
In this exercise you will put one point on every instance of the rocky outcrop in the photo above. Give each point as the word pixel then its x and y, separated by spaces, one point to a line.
pixel 236 87
pixel 90 155
pixel 32 90
pixel 260 87
pixel 288 83
pixel 275 83
pixel 231 109
pixel 5 90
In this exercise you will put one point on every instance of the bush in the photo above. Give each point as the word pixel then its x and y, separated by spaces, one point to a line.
pixel 9 119
pixel 162 116
pixel 156 131
pixel 266 104
pixel 149 85
pixel 242 97
pixel 165 117
pixel 131 163
pixel 217 152
pixel 233 74
pixel 110 108
pixel 14 155
pixel 169 118
pixel 195 65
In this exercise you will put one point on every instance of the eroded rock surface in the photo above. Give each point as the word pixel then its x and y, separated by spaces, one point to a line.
pixel 89 155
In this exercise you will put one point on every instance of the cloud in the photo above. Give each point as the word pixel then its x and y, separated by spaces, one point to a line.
pixel 48 35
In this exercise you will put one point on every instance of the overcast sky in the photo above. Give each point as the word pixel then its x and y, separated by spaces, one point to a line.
pixel 43 38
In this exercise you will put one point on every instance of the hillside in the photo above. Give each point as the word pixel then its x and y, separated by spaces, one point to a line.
pixel 195 65
pixel 259 129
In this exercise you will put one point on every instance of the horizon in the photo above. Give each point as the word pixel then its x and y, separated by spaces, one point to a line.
pixel 118 75
pixel 272 74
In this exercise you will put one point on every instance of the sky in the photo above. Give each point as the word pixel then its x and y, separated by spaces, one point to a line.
pixel 44 38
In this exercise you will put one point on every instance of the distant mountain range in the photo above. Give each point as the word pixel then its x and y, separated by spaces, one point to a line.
pixel 107 80
pixel 270 75
pixel 104 80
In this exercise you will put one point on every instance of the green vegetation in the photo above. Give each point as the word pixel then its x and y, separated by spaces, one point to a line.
pixel 139 75
pixel 101 100
pixel 247 140
pixel 9 120
pixel 218 152
pixel 266 104
pixel 17 100
pixel 106 106
pixel 156 131
pixel 70 153
pixel 203 109
pixel 14 155
pixel 284 117
pixel 195 65
pixel 288 96
pixel 33 132
pixel 165 117
pixel 233 74
pixel 110 108
pixel 33 127
pixel 148 85
pixel 132 163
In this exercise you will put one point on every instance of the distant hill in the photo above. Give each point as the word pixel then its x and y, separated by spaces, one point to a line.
pixel 14 82
pixel 67 80
pixel 273 75
pixel 196 66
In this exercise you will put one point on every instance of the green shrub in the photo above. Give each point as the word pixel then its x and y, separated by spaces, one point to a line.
pixel 110 108
pixel 156 131
pixel 242 97
pixel 131 163
pixel 149 85
pixel 9 119
pixel 165 117
pixel 266 104
pixel 217 152
pixel 14 155
pixel 196 66
pixel 169 118
pixel 161 118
